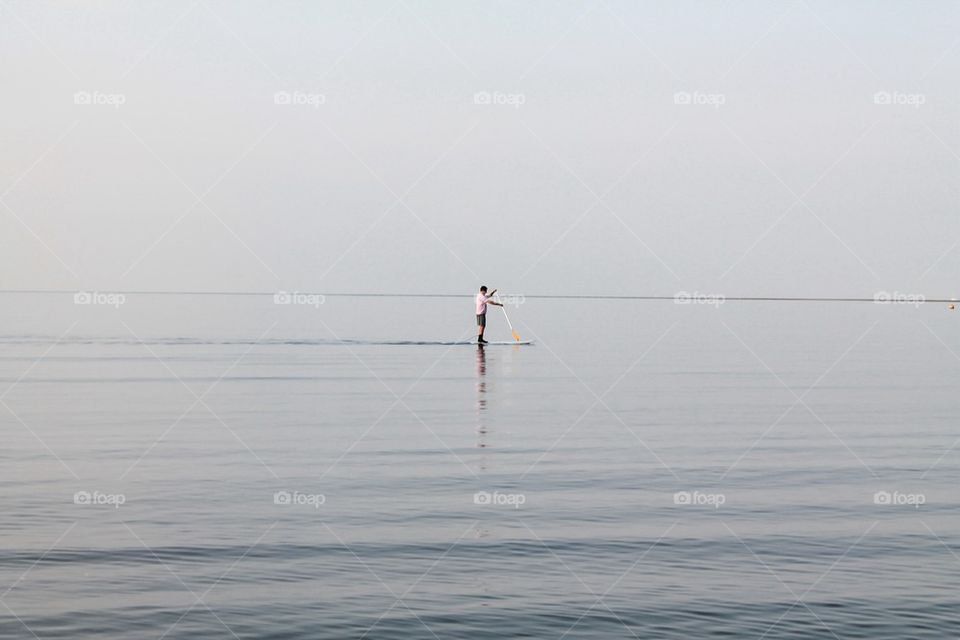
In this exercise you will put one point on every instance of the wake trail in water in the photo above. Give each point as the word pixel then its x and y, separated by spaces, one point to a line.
pixel 189 341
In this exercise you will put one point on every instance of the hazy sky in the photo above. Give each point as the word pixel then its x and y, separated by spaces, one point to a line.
pixel 620 147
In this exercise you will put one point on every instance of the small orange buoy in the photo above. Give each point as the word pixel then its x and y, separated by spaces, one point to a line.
pixel 952 307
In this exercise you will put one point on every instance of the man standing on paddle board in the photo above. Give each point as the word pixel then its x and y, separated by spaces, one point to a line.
pixel 483 299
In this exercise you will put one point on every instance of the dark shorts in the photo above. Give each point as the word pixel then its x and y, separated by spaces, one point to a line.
pixel 482 320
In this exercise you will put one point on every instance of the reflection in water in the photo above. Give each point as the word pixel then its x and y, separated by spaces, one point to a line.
pixel 481 378
pixel 481 396
pixel 481 531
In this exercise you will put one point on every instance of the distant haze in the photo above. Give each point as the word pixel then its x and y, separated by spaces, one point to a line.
pixel 612 147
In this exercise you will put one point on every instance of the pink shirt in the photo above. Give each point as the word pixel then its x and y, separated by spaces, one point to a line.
pixel 482 304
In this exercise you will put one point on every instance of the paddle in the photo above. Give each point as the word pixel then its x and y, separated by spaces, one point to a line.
pixel 516 336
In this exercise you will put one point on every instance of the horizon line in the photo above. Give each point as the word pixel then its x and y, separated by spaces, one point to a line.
pixel 679 296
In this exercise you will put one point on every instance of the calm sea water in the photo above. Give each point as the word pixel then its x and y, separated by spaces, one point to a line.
pixel 216 467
